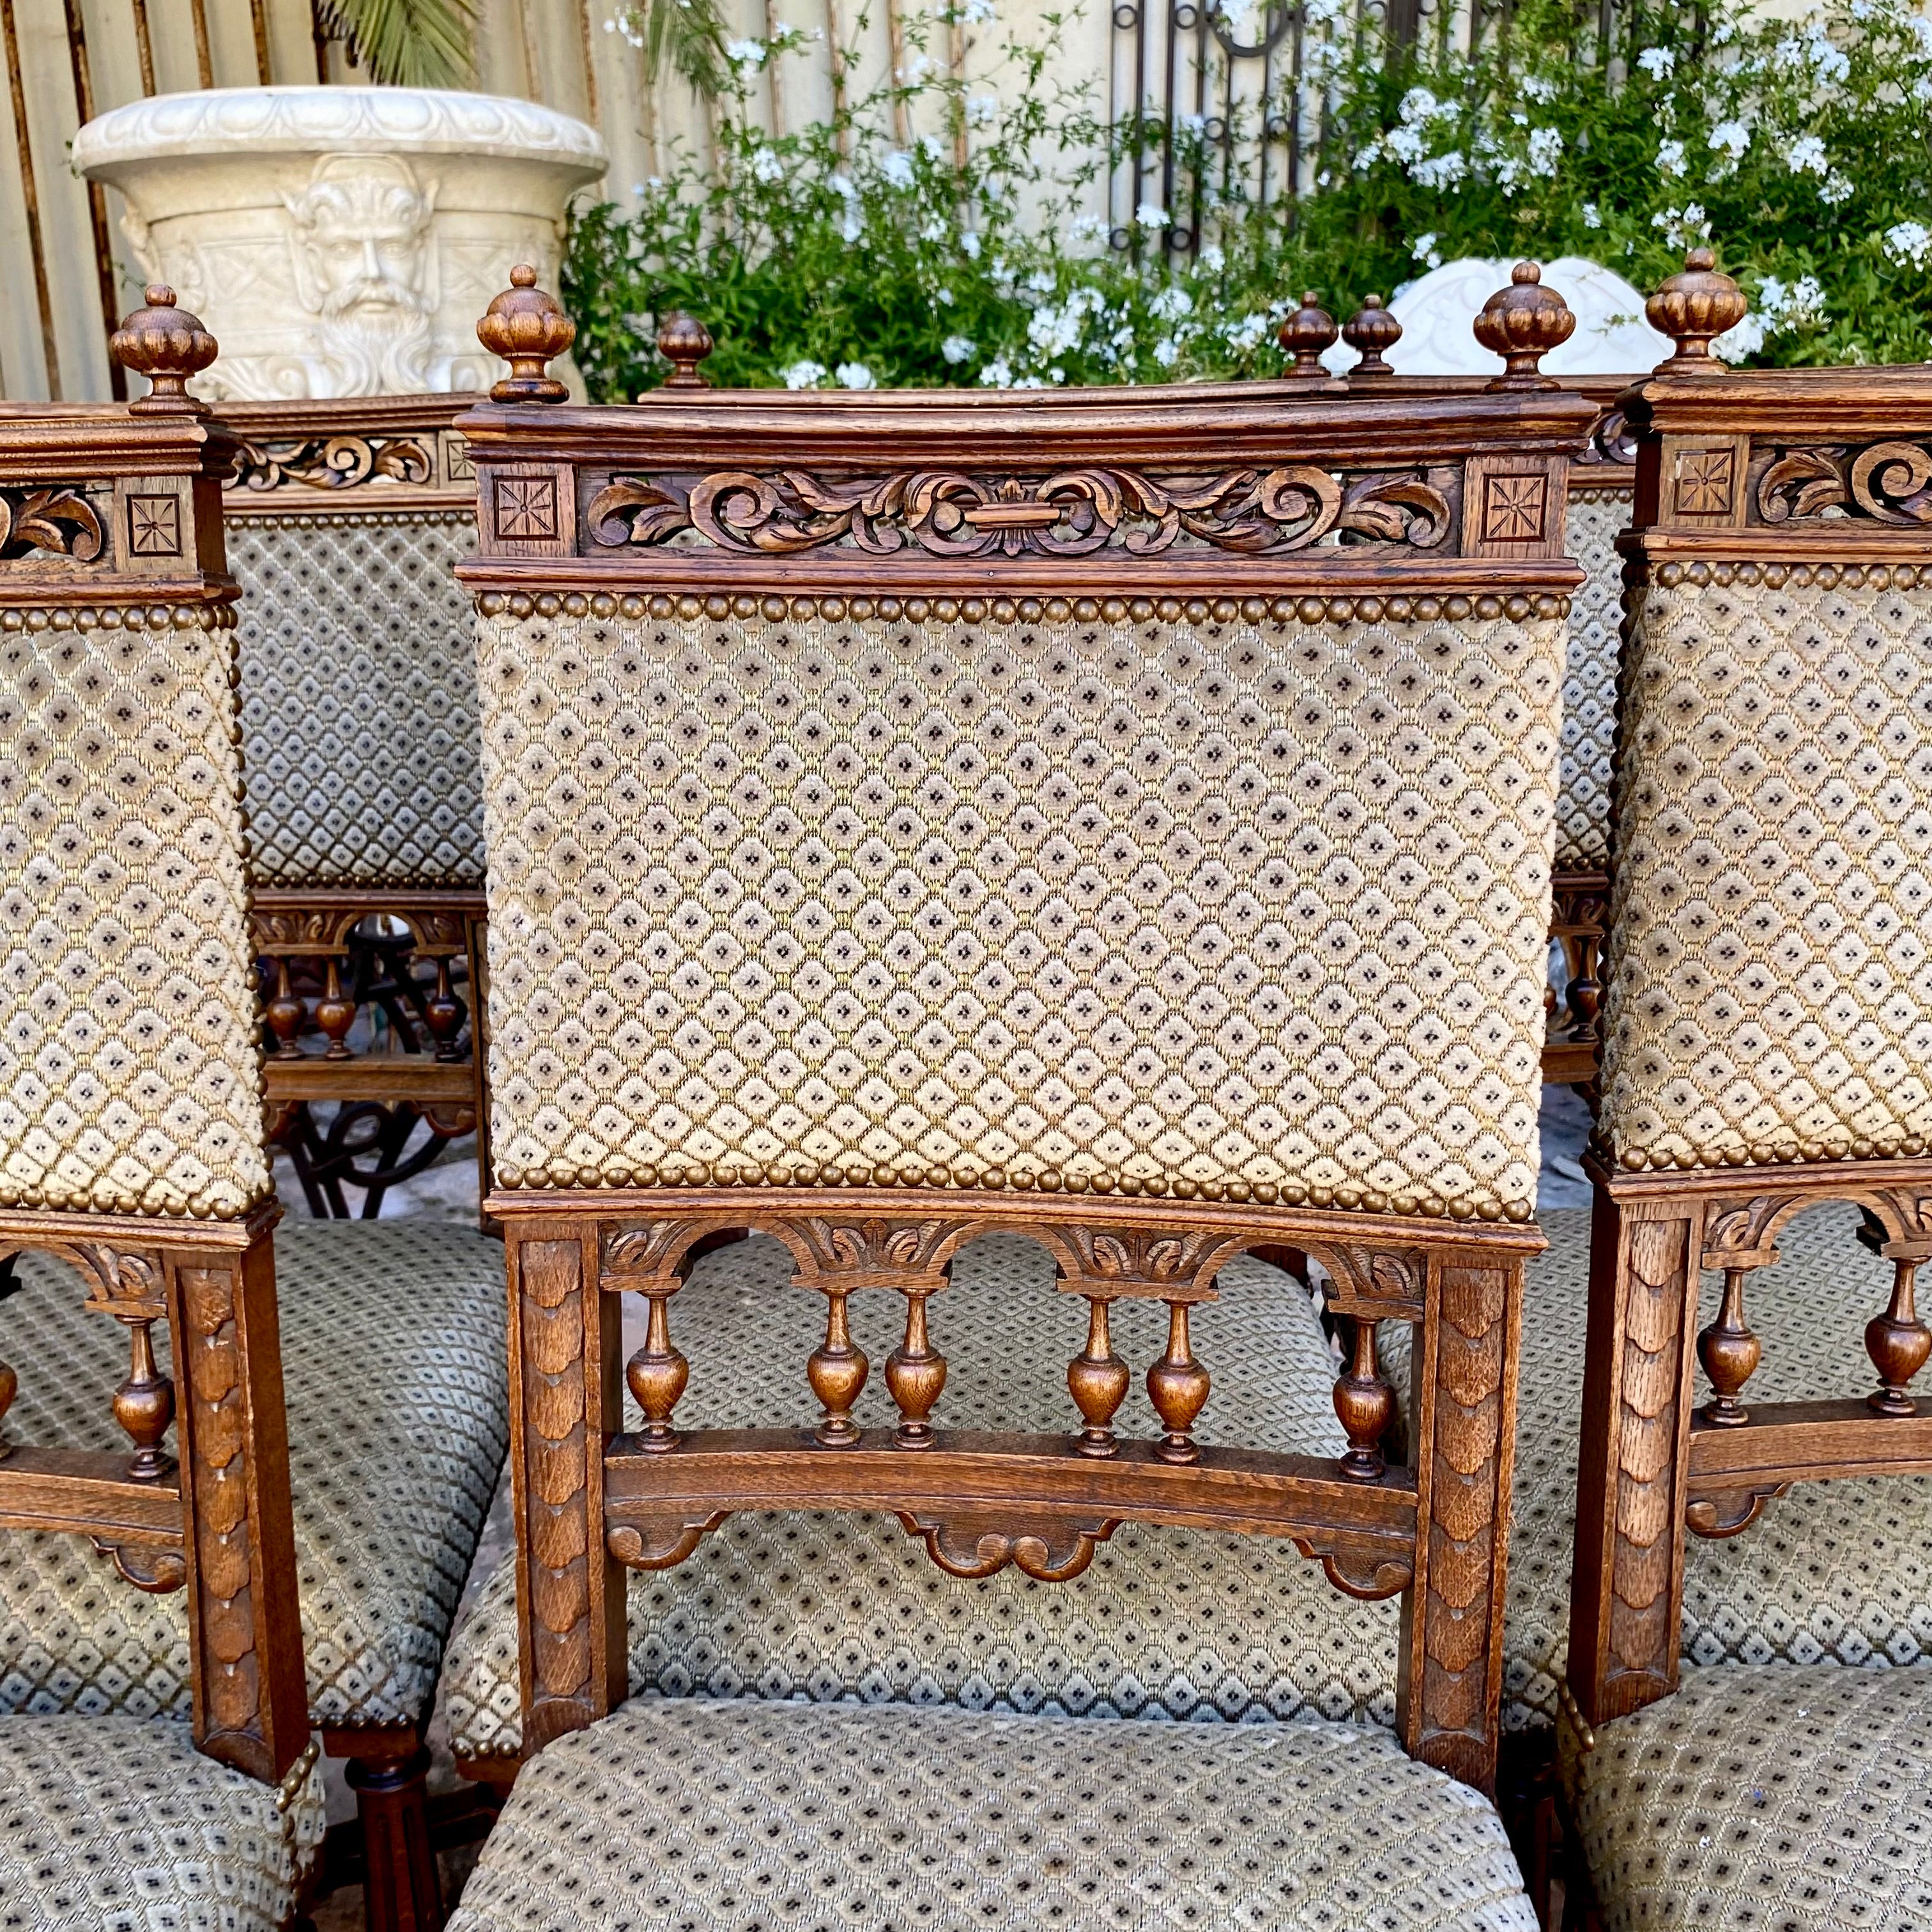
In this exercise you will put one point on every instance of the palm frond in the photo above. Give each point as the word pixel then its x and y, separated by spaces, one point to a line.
pixel 407 43
pixel 689 34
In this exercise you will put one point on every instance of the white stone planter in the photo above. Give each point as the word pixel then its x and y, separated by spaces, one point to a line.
pixel 340 241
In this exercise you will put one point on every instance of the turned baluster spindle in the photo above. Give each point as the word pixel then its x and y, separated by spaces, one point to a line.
pixel 1098 1378
pixel 1178 1386
pixel 286 1012
pixel 335 1011
pixel 915 1374
pixel 144 1404
pixel 837 1372
pixel 1586 992
pixel 657 1374
pixel 446 1014
pixel 1898 1343
pixel 1366 1405
pixel 1730 1354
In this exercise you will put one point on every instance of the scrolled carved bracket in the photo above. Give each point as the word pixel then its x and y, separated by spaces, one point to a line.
pixel 1886 482
pixel 1370 1575
pixel 1379 1284
pixel 973 1543
pixel 57 519
pixel 659 1543
pixel 123 1282
pixel 1722 1513
pixel 156 1572
pixel 1070 513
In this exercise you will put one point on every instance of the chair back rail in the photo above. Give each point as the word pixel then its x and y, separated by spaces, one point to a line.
pixel 345 517
pixel 1766 1036
pixel 715 631
pixel 131 1141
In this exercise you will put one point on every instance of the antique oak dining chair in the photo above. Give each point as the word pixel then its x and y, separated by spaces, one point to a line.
pixel 1769 1039
pixel 181 1789
pixel 390 1333
pixel 1113 828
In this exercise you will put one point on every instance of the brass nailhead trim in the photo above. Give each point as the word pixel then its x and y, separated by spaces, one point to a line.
pixel 1799 576
pixel 208 616
pixel 1366 608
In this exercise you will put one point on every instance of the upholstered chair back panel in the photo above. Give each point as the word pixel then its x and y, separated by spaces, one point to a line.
pixel 359 698
pixel 1597 518
pixel 1770 989
pixel 129 1071
pixel 1247 910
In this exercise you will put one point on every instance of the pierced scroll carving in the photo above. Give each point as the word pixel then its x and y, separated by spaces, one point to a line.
pixel 973 1545
pixel 333 462
pixel 1377 1284
pixel 660 1543
pixel 1070 513
pixel 58 519
pixel 1888 482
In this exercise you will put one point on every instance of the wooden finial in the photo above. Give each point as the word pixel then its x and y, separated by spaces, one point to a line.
pixel 1694 307
pixel 684 342
pixel 1522 323
pixel 1370 331
pixel 526 326
pixel 1305 334
pixel 167 345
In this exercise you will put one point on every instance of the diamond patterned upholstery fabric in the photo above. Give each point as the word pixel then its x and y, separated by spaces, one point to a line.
pixel 1165 1623
pixel 721 1817
pixel 130 1077
pixel 358 699
pixel 116 1823
pixel 393 1357
pixel 1784 1800
pixel 1835 1572
pixel 1596 519
pixel 1254 910
pixel 1770 974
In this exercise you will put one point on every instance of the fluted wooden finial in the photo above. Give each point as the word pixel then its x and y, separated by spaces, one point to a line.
pixel 1694 307
pixel 526 327
pixel 684 342
pixel 167 345
pixel 1305 334
pixel 1371 331
pixel 1522 323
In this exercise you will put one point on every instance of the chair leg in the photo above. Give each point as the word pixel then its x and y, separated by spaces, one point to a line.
pixel 402 1890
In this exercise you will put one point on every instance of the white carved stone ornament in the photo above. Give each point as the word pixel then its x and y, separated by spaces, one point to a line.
pixel 340 241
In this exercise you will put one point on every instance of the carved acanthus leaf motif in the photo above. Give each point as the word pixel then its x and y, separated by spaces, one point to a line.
pixel 875 1250
pixel 1170 1263
pixel 1889 482
pixel 1070 513
pixel 120 1280
pixel 642 1250
pixel 58 519
pixel 333 462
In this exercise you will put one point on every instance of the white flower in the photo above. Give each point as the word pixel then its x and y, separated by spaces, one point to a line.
pixel 745 53
pixel 956 348
pixel 1084 229
pixel 1835 189
pixel 1746 339
pixel 981 109
pixel 1729 140
pixel 934 228
pixel 1171 304
pixel 854 376
pixel 942 296
pixel 765 165
pixel 1151 214
pixel 1670 158
pixel 1444 171
pixel 1213 258
pixel 1807 156
pixel 1682 226
pixel 969 244
pixel 1909 241
pixel 1405 144
pixel 1424 250
pixel 1419 105
pixel 1799 306
pixel 1827 62
pixel 977 12
pixel 997 374
pixel 1657 61
pixel 915 70
pixel 897 169
pixel 1538 87
pixel 1546 149
pixel 1166 352
pixel 1591 218
pixel 803 375
pixel 1248 333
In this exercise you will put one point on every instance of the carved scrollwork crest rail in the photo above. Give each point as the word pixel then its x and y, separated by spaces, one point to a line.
pixel 1884 482
pixel 333 462
pixel 1070 513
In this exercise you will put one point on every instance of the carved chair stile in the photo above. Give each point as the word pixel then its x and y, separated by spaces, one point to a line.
pixel 345 518
pixel 1766 1051
pixel 131 1147
pixel 710 619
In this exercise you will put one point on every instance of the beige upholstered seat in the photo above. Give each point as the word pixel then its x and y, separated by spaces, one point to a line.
pixel 1784 1800
pixel 1167 1623
pixel 744 1814
pixel 111 1823
pixel 394 1369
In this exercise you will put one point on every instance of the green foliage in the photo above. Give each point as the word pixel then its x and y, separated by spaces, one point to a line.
pixel 687 36
pixel 836 255
pixel 407 43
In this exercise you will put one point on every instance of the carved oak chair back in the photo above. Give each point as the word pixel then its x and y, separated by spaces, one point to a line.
pixel 345 520
pixel 131 1140
pixel 1767 1036
pixel 1123 818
